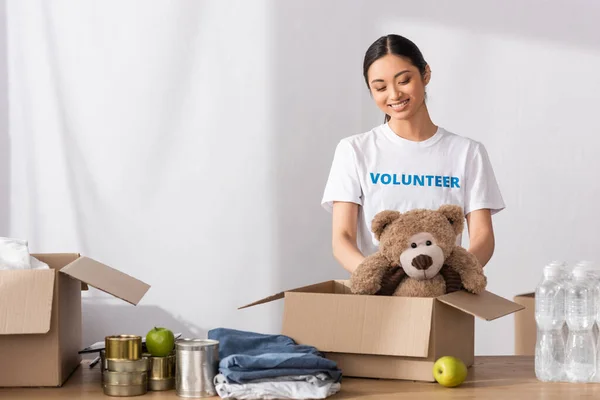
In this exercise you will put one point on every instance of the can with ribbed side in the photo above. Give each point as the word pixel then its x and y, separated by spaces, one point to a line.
pixel 124 390
pixel 125 378
pixel 140 365
pixel 120 383
pixel 197 363
pixel 161 373
pixel 123 347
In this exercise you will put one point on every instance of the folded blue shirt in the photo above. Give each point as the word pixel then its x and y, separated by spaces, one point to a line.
pixel 246 356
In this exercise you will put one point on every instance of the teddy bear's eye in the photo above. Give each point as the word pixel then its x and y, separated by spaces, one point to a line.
pixel 413 245
pixel 428 243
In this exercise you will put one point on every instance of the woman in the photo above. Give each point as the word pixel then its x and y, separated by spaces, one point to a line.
pixel 407 162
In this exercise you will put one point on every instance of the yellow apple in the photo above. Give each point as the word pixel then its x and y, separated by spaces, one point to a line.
pixel 449 371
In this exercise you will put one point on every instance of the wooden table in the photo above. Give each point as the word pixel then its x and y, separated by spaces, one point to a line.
pixel 497 377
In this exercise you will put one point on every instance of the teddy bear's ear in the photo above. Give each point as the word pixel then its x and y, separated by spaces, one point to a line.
pixel 455 216
pixel 381 220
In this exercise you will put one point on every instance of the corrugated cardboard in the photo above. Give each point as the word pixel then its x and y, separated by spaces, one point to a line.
pixel 40 316
pixel 525 327
pixel 386 336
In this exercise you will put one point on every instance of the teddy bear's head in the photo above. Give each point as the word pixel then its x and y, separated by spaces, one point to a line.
pixel 418 240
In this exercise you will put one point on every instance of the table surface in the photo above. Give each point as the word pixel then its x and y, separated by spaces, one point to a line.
pixel 502 377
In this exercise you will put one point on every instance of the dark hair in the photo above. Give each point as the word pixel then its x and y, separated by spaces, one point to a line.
pixel 397 45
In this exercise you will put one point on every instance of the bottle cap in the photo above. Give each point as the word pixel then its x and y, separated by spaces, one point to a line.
pixel 586 264
pixel 552 269
pixel 558 263
pixel 580 272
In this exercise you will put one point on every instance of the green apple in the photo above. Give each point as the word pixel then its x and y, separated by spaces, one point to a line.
pixel 160 342
pixel 449 371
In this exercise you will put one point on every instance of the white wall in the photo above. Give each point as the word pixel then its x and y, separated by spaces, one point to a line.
pixel 4 142
pixel 189 145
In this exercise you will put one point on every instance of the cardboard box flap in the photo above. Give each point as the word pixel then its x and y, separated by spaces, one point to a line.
pixel 322 287
pixel 26 301
pixel 107 279
pixel 486 305
pixel 265 300
pixel 528 294
pixel 58 260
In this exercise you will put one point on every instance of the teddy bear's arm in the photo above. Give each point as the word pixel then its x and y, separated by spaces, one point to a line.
pixel 452 279
pixel 367 277
pixel 390 281
pixel 469 268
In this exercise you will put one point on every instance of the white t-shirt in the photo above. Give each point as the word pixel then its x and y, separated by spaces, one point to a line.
pixel 379 170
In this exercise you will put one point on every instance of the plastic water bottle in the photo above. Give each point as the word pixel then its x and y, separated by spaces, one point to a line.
pixel 565 279
pixel 594 280
pixel 550 319
pixel 593 274
pixel 580 355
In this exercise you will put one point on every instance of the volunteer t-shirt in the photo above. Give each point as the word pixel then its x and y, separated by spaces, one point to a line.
pixel 379 170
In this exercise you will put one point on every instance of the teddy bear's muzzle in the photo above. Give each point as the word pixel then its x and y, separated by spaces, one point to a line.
pixel 422 262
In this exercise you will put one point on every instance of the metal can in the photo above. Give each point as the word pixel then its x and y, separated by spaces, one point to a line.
pixel 124 390
pixel 125 378
pixel 140 365
pixel 123 347
pixel 197 365
pixel 124 383
pixel 161 374
pixel 157 385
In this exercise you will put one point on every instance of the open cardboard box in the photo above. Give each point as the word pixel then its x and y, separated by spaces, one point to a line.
pixel 40 316
pixel 525 327
pixel 385 336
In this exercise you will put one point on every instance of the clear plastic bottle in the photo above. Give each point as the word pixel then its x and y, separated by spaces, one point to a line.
pixel 565 279
pixel 580 355
pixel 550 319
pixel 593 270
pixel 593 274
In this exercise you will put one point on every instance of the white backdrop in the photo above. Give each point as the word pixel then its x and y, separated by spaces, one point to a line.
pixel 187 143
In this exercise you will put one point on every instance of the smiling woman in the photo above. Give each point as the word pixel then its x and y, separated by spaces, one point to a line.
pixel 408 162
pixel 396 73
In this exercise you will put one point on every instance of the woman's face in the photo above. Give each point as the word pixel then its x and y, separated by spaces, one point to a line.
pixel 397 86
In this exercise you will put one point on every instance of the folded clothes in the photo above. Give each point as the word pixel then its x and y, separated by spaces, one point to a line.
pixel 248 356
pixel 302 387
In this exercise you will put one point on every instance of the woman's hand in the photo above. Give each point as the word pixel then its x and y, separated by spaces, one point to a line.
pixel 481 235
pixel 345 250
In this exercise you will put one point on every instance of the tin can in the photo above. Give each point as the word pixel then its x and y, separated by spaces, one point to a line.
pixel 197 365
pixel 125 378
pixel 123 347
pixel 161 373
pixel 124 390
pixel 157 385
pixel 140 365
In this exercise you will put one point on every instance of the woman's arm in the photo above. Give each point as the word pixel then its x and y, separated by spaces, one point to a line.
pixel 481 235
pixel 345 250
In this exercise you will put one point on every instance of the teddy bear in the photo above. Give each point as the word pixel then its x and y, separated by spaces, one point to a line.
pixel 418 256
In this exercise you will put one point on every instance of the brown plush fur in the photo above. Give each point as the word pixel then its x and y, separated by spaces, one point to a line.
pixel 428 288
pixel 435 287
pixel 372 269
pixel 393 229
